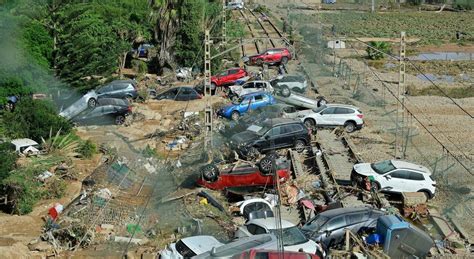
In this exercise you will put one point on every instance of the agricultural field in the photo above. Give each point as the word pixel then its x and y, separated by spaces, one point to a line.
pixel 432 28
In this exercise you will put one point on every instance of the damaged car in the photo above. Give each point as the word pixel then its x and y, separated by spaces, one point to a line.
pixel 288 83
pixel 189 247
pixel 236 91
pixel 272 134
pixel 107 111
pixel 246 103
pixel 243 174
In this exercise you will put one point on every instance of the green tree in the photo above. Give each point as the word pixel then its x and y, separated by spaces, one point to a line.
pixel 376 49
pixel 7 161
pixel 34 119
pixel 189 36
pixel 38 43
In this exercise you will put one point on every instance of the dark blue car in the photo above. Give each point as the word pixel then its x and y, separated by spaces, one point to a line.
pixel 245 103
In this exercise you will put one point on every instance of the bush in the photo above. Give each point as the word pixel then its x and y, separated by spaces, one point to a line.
pixel 34 119
pixel 464 4
pixel 7 161
pixel 376 49
pixel 87 149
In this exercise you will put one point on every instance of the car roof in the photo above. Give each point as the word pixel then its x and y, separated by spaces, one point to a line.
pixel 399 164
pixel 201 244
pixel 341 105
pixel 21 142
pixel 270 223
pixel 340 211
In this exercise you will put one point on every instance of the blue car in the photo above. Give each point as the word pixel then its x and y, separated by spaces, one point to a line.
pixel 245 103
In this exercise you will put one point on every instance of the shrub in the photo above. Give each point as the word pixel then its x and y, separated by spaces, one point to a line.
pixel 376 49
pixel 7 161
pixel 87 149
pixel 34 119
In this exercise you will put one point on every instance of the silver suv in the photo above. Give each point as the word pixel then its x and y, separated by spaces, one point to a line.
pixel 335 115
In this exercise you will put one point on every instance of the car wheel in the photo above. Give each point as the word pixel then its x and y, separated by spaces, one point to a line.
pixel 259 62
pixel 235 115
pixel 284 60
pixel 349 127
pixel 310 123
pixel 91 103
pixel 427 194
pixel 266 164
pixel 210 173
pixel 119 120
pixel 300 145
pixel 285 91
pixel 375 186
pixel 322 101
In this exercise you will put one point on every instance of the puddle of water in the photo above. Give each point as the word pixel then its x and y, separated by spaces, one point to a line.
pixel 439 78
pixel 444 56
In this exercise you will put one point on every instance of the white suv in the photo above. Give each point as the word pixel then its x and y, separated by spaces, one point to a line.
pixel 334 115
pixel 395 176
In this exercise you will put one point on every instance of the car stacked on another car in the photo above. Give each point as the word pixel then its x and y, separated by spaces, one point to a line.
pixel 246 103
pixel 236 91
pixel 106 111
pixel 122 89
pixel 270 56
pixel 272 134
pixel 287 83
pixel 395 176
pixel 335 115
pixel 182 93
pixel 189 247
pixel 227 77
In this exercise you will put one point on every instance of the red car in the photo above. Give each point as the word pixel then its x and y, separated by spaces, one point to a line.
pixel 274 254
pixel 271 56
pixel 227 77
pixel 242 174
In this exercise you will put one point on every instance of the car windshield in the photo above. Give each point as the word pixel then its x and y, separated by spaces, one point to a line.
pixel 383 167
pixel 315 223
pixel 291 236
pixel 319 109
pixel 184 250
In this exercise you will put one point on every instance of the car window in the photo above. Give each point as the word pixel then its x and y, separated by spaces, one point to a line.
pixel 383 167
pixel 289 109
pixel 336 223
pixel 246 101
pixel 401 174
pixel 104 89
pixel 343 111
pixel 259 85
pixel 274 131
pixel 224 73
pixel 233 71
pixel 286 129
pixel 258 98
pixel 356 218
pixel 184 250
pixel 187 91
pixel 265 98
pixel 119 87
pixel 329 110
pixel 416 176
pixel 248 85
pixel 255 230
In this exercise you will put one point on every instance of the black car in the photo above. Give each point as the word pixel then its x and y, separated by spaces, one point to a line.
pixel 108 110
pixel 182 93
pixel 328 227
pixel 272 134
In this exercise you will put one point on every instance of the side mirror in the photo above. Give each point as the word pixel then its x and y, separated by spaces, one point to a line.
pixel 388 177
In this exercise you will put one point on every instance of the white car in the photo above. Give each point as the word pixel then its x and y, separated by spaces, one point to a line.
pixel 395 176
pixel 249 87
pixel 26 146
pixel 293 239
pixel 189 247
pixel 288 83
pixel 335 115
pixel 235 5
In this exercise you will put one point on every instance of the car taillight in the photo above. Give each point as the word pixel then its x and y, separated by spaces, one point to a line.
pixel 360 115
pixel 129 108
pixel 200 96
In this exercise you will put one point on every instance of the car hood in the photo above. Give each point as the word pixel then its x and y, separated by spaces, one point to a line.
pixel 364 169
pixel 243 137
pixel 236 88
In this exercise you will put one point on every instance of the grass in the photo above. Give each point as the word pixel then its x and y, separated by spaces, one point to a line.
pixel 431 28
pixel 458 92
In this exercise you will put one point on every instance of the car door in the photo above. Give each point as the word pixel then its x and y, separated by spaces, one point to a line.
pixel 276 57
pixel 246 104
pixel 326 117
pixel 415 182
pixel 118 90
pixel 334 230
pixel 109 112
pixel 105 91
pixel 356 220
pixel 271 139
pixel 233 76
pixel 258 101
pixel 94 116
pixel 397 179
pixel 341 115
pixel 287 135
pixel 247 88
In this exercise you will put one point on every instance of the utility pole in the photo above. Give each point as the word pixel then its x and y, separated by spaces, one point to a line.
pixel 399 140
pixel 207 92
pixel 372 9
pixel 224 20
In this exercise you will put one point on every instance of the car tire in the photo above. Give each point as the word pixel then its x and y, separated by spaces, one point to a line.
pixel 235 115
pixel 300 145
pixel 310 123
pixel 427 194
pixel 91 103
pixel 210 173
pixel 285 91
pixel 322 101
pixel 376 186
pixel 284 60
pixel 349 126
pixel 266 164
pixel 259 61
pixel 119 120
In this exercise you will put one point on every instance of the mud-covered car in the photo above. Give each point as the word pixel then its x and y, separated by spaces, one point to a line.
pixel 243 174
